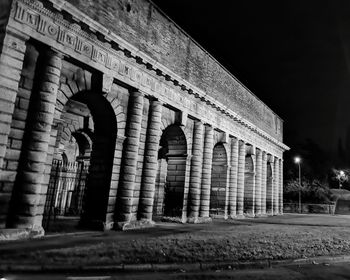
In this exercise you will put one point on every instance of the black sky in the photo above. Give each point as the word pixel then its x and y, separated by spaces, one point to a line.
pixel 294 55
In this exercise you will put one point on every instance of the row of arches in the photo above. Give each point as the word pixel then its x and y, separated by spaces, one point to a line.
pixel 104 131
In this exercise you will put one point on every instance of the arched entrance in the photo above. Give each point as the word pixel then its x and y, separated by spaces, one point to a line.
pixel 249 185
pixel 269 191
pixel 79 185
pixel 218 181
pixel 170 180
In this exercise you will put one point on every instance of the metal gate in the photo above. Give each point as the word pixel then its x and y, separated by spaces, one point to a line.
pixel 65 191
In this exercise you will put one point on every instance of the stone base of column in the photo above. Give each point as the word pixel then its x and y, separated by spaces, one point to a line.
pixel 8 234
pixel 240 217
pixel 249 215
pixel 137 224
pixel 199 220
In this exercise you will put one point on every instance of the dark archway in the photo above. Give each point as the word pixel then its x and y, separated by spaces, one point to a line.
pixel 218 181
pixel 170 180
pixel 80 185
pixel 102 154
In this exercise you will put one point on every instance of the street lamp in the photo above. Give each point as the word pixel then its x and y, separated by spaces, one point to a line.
pixel 297 160
pixel 341 178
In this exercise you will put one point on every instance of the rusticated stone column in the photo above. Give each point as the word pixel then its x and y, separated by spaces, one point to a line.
pixel 258 182
pixel 196 172
pixel 129 160
pixel 233 178
pixel 150 162
pixel 249 186
pixel 281 188
pixel 30 176
pixel 270 187
pixel 11 63
pixel 276 187
pixel 206 171
pixel 263 183
pixel 240 178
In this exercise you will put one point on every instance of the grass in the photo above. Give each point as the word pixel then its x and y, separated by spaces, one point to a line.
pixel 223 242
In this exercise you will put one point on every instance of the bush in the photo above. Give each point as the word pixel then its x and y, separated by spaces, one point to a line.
pixel 311 192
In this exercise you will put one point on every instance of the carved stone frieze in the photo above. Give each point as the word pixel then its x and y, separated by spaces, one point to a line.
pixel 77 43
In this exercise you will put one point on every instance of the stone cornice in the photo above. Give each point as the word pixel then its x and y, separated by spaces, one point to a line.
pixel 128 50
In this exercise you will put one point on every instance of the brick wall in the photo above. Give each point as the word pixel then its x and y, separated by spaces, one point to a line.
pixel 145 27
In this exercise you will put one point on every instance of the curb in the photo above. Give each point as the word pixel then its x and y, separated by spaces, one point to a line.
pixel 172 267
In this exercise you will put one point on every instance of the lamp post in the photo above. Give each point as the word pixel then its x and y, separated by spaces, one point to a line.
pixel 341 178
pixel 297 160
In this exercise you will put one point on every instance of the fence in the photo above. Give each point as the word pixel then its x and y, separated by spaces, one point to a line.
pixel 65 191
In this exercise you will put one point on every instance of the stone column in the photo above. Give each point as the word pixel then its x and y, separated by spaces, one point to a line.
pixel 263 183
pixel 129 160
pixel 150 162
pixel 30 176
pixel 206 171
pixel 281 188
pixel 258 182
pixel 276 187
pixel 240 178
pixel 249 186
pixel 233 178
pixel 270 187
pixel 11 63
pixel 196 172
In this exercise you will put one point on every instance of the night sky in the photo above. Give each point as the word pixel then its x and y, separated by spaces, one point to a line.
pixel 294 55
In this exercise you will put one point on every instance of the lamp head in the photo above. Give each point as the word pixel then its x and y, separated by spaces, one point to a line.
pixel 297 160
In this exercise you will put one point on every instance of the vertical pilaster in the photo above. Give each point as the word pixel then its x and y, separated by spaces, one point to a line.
pixel 206 171
pixel 233 178
pixel 11 63
pixel 27 193
pixel 258 182
pixel 281 188
pixel 129 160
pixel 196 172
pixel 276 187
pixel 240 178
pixel 263 183
pixel 150 163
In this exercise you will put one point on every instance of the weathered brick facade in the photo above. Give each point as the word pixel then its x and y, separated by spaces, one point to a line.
pixel 165 130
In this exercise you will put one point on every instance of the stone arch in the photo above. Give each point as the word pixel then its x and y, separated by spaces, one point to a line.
pixel 219 176
pixel 187 131
pixel 119 112
pixel 171 175
pixel 102 141
pixel 84 144
pixel 102 155
pixel 249 184
pixel 269 188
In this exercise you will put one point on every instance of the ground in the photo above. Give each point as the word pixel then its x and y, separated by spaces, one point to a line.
pixel 290 236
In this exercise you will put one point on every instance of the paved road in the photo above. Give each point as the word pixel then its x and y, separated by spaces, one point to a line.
pixel 338 271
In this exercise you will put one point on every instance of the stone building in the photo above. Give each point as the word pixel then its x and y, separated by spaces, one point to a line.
pixel 119 91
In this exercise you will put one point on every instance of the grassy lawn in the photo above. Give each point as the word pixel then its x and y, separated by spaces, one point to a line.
pixel 210 243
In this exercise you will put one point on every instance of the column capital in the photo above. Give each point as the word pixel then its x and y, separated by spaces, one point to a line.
pixel 155 100
pixel 264 155
pixel 208 124
pixel 16 33
pixel 135 92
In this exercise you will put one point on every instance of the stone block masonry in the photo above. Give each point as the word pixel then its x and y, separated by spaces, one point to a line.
pixel 161 128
